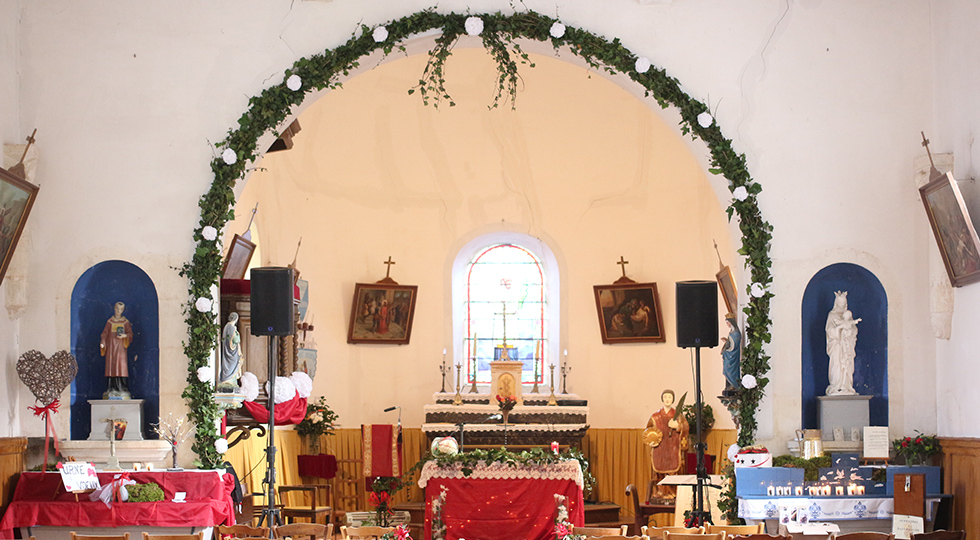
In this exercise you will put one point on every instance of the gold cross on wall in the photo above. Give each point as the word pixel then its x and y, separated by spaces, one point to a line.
pixel 389 262
pixel 623 263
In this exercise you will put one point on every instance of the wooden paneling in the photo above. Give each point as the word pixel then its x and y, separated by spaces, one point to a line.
pixel 961 470
pixel 11 465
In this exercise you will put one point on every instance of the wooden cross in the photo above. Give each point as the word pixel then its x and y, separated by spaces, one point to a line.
pixel 623 263
pixel 389 262
pixel 933 171
pixel 503 312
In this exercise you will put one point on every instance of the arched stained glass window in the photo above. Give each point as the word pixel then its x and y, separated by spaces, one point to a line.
pixel 505 312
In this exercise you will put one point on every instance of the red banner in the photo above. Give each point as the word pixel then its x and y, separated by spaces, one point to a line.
pixel 381 450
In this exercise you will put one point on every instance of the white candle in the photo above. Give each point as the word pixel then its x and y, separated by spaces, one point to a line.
pixel 850 489
pixel 149 466
pixel 799 490
pixel 771 490
pixel 840 490
pixel 859 490
pixel 137 466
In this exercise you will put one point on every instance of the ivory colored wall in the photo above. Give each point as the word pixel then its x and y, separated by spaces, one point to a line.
pixel 826 99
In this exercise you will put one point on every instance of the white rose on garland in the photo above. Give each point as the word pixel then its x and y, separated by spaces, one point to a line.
pixel 229 156
pixel 209 233
pixel 204 374
pixel 294 83
pixel 302 383
pixel 642 64
pixel 380 34
pixel 732 452
pixel 250 386
pixel 757 290
pixel 221 445
pixel 203 304
pixel 285 390
pixel 474 26
pixel 740 193
pixel 748 381
pixel 705 119
pixel 557 30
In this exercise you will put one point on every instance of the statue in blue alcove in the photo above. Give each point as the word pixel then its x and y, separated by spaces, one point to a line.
pixel 731 355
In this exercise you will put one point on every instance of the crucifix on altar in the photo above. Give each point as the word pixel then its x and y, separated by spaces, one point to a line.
pixel 505 373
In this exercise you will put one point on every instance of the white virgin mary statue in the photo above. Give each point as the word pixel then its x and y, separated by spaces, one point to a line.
pixel 841 341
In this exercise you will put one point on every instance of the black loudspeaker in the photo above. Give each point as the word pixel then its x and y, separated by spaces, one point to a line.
pixel 697 314
pixel 272 301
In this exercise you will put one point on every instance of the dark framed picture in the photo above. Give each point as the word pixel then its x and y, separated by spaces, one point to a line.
pixel 16 199
pixel 955 234
pixel 382 313
pixel 629 313
pixel 239 255
pixel 726 282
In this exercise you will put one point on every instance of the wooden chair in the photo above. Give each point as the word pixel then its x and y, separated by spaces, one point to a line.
pixel 364 533
pixel 731 530
pixel 312 511
pixel 864 536
pixel 689 536
pixel 657 533
pixel 349 485
pixel 240 531
pixel 940 535
pixel 123 536
pixel 197 536
pixel 760 536
pixel 601 531
pixel 304 531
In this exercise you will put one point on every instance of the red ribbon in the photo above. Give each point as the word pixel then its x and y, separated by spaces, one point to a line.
pixel 47 411
pixel 117 483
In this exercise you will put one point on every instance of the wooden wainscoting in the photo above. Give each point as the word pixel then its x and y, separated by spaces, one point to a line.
pixel 961 470
pixel 11 465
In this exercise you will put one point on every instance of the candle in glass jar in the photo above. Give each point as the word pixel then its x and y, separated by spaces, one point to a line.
pixel 149 466
pixel 839 490
pixel 771 490
pixel 554 447
pixel 859 490
pixel 850 489
pixel 799 490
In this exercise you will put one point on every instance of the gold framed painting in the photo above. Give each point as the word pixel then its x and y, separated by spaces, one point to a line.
pixel 382 313
pixel 16 199
pixel 629 313
pixel 953 229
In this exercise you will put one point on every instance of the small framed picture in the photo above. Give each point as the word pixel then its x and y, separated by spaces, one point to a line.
pixel 382 313
pixel 726 282
pixel 16 199
pixel 838 433
pixel 239 255
pixel 629 313
pixel 953 229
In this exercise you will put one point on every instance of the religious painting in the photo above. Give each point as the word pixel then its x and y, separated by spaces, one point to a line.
pixel 239 255
pixel 629 313
pixel 16 199
pixel 954 231
pixel 382 313
pixel 726 282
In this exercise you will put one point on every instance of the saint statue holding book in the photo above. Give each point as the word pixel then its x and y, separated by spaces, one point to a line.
pixel 116 337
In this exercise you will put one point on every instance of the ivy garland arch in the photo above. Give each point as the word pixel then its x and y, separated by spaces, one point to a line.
pixel 498 31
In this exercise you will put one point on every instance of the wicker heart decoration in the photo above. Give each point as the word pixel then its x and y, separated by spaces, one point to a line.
pixel 46 377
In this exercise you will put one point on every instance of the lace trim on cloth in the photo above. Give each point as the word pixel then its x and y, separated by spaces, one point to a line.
pixel 512 428
pixel 519 409
pixel 568 469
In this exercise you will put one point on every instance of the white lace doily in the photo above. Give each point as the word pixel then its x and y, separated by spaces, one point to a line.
pixel 568 469
pixel 511 428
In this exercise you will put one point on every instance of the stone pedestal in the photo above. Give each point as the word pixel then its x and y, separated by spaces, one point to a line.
pixel 505 380
pixel 130 410
pixel 844 412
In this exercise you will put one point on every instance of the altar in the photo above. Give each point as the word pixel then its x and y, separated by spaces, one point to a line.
pixel 40 503
pixel 501 501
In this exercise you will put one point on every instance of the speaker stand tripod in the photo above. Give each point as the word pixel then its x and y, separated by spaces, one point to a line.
pixel 270 514
pixel 698 516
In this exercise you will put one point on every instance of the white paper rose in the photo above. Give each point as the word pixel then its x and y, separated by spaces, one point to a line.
pixel 748 381
pixel 732 452
pixel 229 156
pixel 380 34
pixel 705 119
pixel 740 193
pixel 285 390
pixel 203 304
pixel 204 374
pixel 642 64
pixel 294 83
pixel 557 30
pixel 250 385
pixel 757 290
pixel 221 445
pixel 302 383
pixel 474 26
pixel 209 233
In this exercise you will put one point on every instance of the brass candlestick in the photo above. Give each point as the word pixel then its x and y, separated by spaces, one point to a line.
pixel 551 399
pixel 443 368
pixel 473 389
pixel 535 389
pixel 564 375
pixel 458 400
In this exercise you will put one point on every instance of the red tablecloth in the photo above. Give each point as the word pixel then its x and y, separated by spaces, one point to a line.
pixel 318 465
pixel 40 499
pixel 502 508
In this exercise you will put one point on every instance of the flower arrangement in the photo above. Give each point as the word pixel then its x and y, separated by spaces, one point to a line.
pixel 401 533
pixel 707 418
pixel 381 492
pixel 915 449
pixel 438 525
pixel 563 527
pixel 506 404
pixel 319 420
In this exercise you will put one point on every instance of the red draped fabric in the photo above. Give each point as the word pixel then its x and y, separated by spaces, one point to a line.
pixel 40 499
pixel 318 465
pixel 287 412
pixel 502 509
pixel 381 451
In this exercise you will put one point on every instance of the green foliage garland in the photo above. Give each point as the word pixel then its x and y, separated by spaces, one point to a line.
pixel 268 111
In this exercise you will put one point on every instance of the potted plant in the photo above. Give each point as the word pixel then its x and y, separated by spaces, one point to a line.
pixel 917 448
pixel 319 420
pixel 707 421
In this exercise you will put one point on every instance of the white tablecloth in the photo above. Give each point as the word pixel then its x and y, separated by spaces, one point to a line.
pixel 821 509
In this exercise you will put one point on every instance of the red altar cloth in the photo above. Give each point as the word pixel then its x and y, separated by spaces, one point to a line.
pixel 318 465
pixel 40 499
pixel 502 508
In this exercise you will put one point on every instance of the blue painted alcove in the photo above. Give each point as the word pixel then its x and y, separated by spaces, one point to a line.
pixel 867 300
pixel 92 301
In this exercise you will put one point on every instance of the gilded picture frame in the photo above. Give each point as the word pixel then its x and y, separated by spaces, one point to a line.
pixel 382 313
pixel 953 229
pixel 629 313
pixel 16 200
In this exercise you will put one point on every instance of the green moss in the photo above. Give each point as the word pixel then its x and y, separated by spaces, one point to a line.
pixel 145 492
pixel 811 466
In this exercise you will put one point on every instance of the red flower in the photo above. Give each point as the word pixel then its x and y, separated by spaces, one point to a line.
pixel 377 499
pixel 918 440
pixel 905 443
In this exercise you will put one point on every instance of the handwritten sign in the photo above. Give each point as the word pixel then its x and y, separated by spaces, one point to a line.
pixel 79 476
pixel 876 443
pixel 905 526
